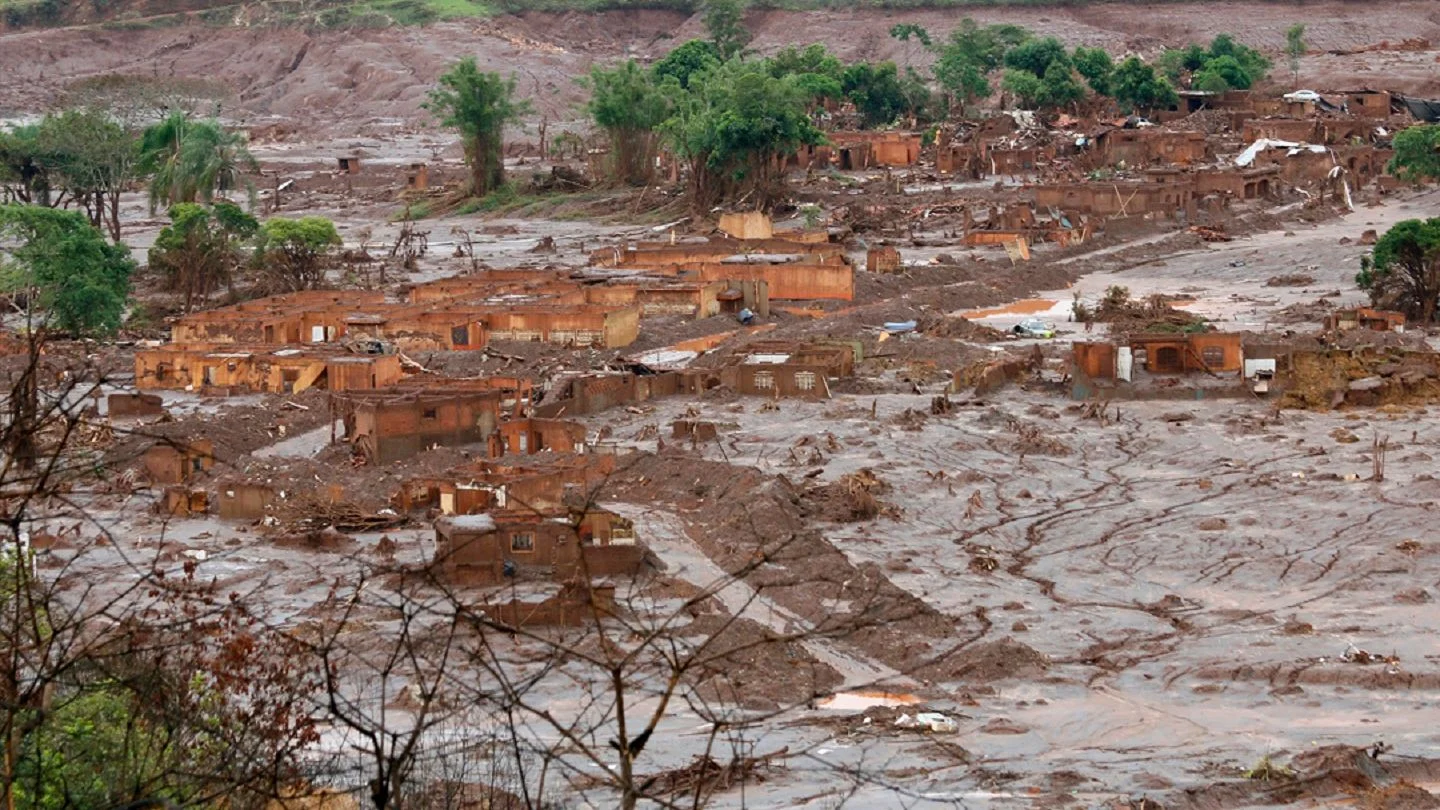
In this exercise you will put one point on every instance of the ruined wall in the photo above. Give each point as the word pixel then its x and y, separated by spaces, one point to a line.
pixel 783 380
pixel 789 282
pixel 244 501
pixel 523 436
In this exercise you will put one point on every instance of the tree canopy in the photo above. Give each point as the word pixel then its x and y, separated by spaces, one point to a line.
pixel 1096 66
pixel 725 22
pixel 64 264
pixel 191 161
pixel 692 57
pixel 292 252
pixel 627 103
pixel 1136 85
pixel 199 250
pixel 1403 271
pixel 478 105
pixel 735 125
pixel 1417 153
pixel 1224 65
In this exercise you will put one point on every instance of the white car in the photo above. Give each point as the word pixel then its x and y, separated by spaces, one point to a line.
pixel 1302 95
pixel 1034 328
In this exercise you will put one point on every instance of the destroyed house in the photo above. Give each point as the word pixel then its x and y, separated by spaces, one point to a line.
pixel 1377 320
pixel 592 393
pixel 525 436
pixel 240 370
pixel 544 483
pixel 1120 199
pixel 268 321
pixel 585 325
pixel 176 462
pixel 790 370
pixel 1143 147
pixel 1216 353
pixel 490 548
pixel 386 426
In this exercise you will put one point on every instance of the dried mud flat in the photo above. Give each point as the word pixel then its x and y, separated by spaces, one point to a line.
pixel 1176 591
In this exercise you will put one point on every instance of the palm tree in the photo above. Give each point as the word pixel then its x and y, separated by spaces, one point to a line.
pixel 189 161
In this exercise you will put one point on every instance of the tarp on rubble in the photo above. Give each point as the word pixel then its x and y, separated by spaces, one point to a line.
pixel 1253 151
pixel 1424 110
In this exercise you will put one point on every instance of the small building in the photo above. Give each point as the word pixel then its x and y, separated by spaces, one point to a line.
pixel 241 500
pixel 791 370
pixel 388 426
pixel 526 436
pixel 490 548
pixel 1377 320
pixel 747 225
pixel 172 462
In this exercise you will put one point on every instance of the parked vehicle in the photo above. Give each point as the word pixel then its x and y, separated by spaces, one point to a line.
pixel 1034 328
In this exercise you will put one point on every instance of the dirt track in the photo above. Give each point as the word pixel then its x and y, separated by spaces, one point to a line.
pixel 380 75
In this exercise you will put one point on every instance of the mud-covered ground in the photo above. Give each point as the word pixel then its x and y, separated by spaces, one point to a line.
pixel 1192 575
pixel 374 80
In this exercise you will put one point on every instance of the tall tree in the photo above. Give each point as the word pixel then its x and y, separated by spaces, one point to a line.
pixel 1059 86
pixel 725 22
pixel 691 58
pixel 95 159
pixel 1417 153
pixel 479 105
pixel 1403 272
pixel 1295 48
pixel 1036 55
pixel 1024 87
pixel 64 265
pixel 192 161
pixel 735 127
pixel 627 103
pixel 199 250
pixel 966 57
pixel 1096 66
pixel 29 171
pixel 1137 86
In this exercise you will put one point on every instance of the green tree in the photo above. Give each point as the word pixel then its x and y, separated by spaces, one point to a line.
pixel 1096 66
pixel 966 57
pixel 95 160
pixel 877 92
pixel 1417 153
pixel 190 161
pixel 1295 48
pixel 1403 272
pixel 200 248
pixel 816 70
pixel 292 253
pixel 1059 86
pixel 1220 74
pixel 695 56
pixel 1252 62
pixel 725 22
pixel 1136 86
pixel 61 262
pixel 905 32
pixel 28 168
pixel 1036 55
pixel 1024 87
pixel 478 105
pixel 626 102
pixel 734 129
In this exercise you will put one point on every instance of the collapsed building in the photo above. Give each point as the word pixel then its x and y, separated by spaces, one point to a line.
pixel 489 548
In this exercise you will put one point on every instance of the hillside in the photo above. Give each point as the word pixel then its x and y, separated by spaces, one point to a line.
pixel 363 75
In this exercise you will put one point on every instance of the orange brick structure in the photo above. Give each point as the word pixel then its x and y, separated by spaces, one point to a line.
pixel 489 548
